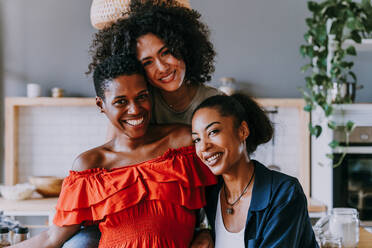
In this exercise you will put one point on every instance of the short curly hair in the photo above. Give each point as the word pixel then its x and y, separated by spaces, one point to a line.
pixel 113 67
pixel 178 27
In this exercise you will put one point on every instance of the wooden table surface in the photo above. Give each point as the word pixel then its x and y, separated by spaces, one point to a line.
pixel 365 238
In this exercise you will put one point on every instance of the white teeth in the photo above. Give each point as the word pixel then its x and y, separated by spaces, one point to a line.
pixel 167 77
pixel 135 122
pixel 213 158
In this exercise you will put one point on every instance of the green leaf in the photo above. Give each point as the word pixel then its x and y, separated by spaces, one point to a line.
pixel 310 51
pixel 308 108
pixel 330 156
pixel 354 24
pixel 313 6
pixel 303 50
pixel 349 126
pixel 309 21
pixel 327 109
pixel 331 11
pixel 332 125
pixel 350 23
pixel 322 34
pixel 355 36
pixel 335 71
pixel 320 79
pixel 366 4
pixel 333 144
pixel 305 68
pixel 336 28
pixel 316 130
pixel 346 64
pixel 351 50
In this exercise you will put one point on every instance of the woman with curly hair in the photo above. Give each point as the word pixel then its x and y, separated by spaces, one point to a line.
pixel 174 48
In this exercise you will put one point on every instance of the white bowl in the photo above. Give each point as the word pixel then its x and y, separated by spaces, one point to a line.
pixel 17 192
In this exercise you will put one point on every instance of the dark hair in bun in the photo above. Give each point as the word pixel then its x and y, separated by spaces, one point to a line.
pixel 243 108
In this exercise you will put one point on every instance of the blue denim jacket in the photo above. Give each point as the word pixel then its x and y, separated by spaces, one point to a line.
pixel 277 216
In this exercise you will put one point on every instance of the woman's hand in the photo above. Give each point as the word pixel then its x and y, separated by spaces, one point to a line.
pixel 202 239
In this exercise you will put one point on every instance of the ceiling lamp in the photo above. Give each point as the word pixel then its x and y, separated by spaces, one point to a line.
pixel 103 13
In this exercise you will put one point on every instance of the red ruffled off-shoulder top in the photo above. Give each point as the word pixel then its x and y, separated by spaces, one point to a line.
pixel 150 204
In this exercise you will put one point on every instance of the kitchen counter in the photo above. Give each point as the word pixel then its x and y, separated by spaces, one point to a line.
pixel 365 238
pixel 315 206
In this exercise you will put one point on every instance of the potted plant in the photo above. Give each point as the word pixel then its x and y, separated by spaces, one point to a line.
pixel 332 24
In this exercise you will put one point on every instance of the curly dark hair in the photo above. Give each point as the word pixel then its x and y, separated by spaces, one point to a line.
pixel 113 67
pixel 243 108
pixel 178 27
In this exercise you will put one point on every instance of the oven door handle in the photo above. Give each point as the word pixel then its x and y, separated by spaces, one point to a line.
pixel 353 150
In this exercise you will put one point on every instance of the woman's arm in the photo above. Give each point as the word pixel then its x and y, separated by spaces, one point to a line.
pixel 202 235
pixel 54 237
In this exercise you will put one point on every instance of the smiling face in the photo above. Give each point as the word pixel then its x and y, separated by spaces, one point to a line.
pixel 127 105
pixel 218 142
pixel 163 70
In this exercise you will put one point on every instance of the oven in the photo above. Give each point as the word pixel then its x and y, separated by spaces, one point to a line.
pixel 352 179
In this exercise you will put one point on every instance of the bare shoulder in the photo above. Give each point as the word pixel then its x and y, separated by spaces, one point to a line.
pixel 179 135
pixel 90 159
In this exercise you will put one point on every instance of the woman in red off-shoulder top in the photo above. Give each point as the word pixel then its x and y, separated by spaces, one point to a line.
pixel 143 186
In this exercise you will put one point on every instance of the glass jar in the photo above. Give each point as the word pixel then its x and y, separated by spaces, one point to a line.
pixel 19 234
pixel 344 223
pixel 227 85
pixel 318 234
pixel 4 237
pixel 329 241
pixel 57 92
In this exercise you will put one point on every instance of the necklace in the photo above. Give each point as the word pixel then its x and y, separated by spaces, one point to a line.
pixel 183 102
pixel 230 210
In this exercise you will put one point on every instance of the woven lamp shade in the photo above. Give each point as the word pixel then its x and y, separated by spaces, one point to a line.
pixel 103 13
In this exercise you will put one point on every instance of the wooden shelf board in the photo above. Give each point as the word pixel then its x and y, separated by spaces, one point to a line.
pixel 33 206
pixel 50 101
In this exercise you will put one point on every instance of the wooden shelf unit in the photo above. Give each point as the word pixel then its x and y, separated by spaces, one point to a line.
pixel 12 105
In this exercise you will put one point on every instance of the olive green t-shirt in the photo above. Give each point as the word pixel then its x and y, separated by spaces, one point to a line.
pixel 163 114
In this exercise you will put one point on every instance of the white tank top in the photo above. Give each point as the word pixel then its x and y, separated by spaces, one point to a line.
pixel 224 238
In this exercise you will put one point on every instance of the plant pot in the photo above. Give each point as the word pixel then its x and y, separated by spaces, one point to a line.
pixel 344 91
